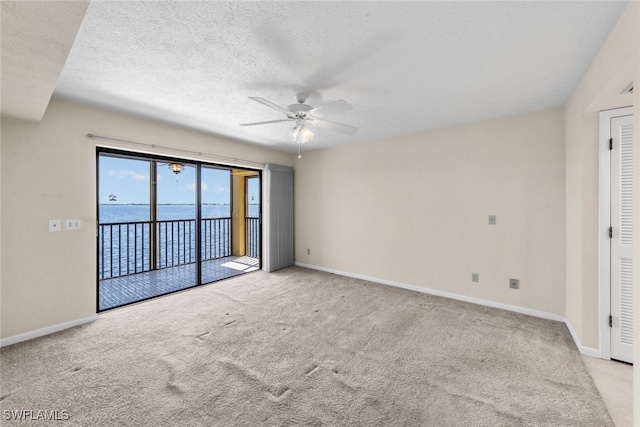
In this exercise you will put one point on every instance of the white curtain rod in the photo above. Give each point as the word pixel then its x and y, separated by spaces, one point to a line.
pixel 233 160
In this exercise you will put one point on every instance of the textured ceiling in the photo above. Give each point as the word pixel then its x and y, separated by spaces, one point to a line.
pixel 404 66
pixel 36 39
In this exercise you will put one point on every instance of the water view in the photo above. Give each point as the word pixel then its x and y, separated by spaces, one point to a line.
pixel 110 213
pixel 125 233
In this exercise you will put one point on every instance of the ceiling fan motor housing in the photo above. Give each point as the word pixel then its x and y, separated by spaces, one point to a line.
pixel 299 107
pixel 301 97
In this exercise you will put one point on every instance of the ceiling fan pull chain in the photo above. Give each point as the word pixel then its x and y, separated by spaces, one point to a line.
pixel 299 155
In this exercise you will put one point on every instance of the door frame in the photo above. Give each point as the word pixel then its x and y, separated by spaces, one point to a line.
pixel 604 222
pixel 154 159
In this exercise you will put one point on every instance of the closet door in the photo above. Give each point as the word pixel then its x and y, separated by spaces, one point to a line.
pixel 278 226
pixel 622 238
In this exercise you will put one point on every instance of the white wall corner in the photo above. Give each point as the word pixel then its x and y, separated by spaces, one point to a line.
pixel 46 331
pixel 587 351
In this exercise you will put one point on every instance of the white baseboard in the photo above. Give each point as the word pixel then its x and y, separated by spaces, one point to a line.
pixel 522 310
pixel 479 301
pixel 587 351
pixel 46 331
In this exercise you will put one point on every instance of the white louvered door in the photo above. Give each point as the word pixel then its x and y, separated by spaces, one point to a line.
pixel 622 239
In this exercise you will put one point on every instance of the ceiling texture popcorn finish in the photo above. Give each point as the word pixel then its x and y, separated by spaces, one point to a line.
pixel 404 66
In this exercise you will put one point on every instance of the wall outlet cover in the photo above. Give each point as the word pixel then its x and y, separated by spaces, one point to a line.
pixel 514 283
pixel 73 224
pixel 492 220
pixel 475 277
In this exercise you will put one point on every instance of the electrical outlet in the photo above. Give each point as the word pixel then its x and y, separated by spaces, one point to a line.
pixel 492 220
pixel 514 283
pixel 475 277
pixel 73 224
pixel 308 251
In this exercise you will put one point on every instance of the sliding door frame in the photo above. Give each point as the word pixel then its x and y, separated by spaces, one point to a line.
pixel 154 159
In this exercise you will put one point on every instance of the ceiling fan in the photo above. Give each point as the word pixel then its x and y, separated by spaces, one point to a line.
pixel 304 115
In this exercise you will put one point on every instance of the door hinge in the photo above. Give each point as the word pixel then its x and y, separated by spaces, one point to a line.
pixel 610 321
pixel 611 232
pixel 610 143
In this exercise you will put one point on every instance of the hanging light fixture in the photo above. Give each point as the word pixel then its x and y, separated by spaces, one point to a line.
pixel 305 135
pixel 301 134
pixel 176 167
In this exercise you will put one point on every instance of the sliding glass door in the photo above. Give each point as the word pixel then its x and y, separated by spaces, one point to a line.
pixel 165 225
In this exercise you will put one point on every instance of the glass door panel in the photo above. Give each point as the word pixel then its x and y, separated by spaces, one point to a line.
pixel 215 232
pixel 175 228
pixel 124 229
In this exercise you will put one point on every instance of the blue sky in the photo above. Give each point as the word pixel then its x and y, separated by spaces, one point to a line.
pixel 128 181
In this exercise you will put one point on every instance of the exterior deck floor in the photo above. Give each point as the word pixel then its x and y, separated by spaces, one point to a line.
pixel 137 287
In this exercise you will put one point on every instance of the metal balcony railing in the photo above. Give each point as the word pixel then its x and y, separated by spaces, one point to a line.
pixel 135 247
pixel 252 236
pixel 216 238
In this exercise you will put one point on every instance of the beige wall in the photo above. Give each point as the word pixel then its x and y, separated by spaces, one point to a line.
pixel 48 171
pixel 600 89
pixel 415 209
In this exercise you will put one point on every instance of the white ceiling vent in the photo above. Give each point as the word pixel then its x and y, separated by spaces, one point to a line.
pixel 629 88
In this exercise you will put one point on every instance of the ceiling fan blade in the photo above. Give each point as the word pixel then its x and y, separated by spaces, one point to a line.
pixel 270 104
pixel 264 123
pixel 334 107
pixel 338 127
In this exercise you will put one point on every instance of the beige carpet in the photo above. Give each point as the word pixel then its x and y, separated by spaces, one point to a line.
pixel 300 347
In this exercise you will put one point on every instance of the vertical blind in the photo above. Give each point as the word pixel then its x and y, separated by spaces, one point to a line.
pixel 279 217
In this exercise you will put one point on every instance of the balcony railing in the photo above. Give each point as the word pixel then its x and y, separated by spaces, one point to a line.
pixel 216 238
pixel 175 242
pixel 126 247
pixel 252 236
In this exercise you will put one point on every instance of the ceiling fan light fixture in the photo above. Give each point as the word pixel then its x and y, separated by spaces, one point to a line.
pixel 176 167
pixel 307 135
pixel 302 134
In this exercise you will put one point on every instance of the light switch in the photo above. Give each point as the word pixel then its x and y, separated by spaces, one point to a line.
pixel 54 225
pixel 492 220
